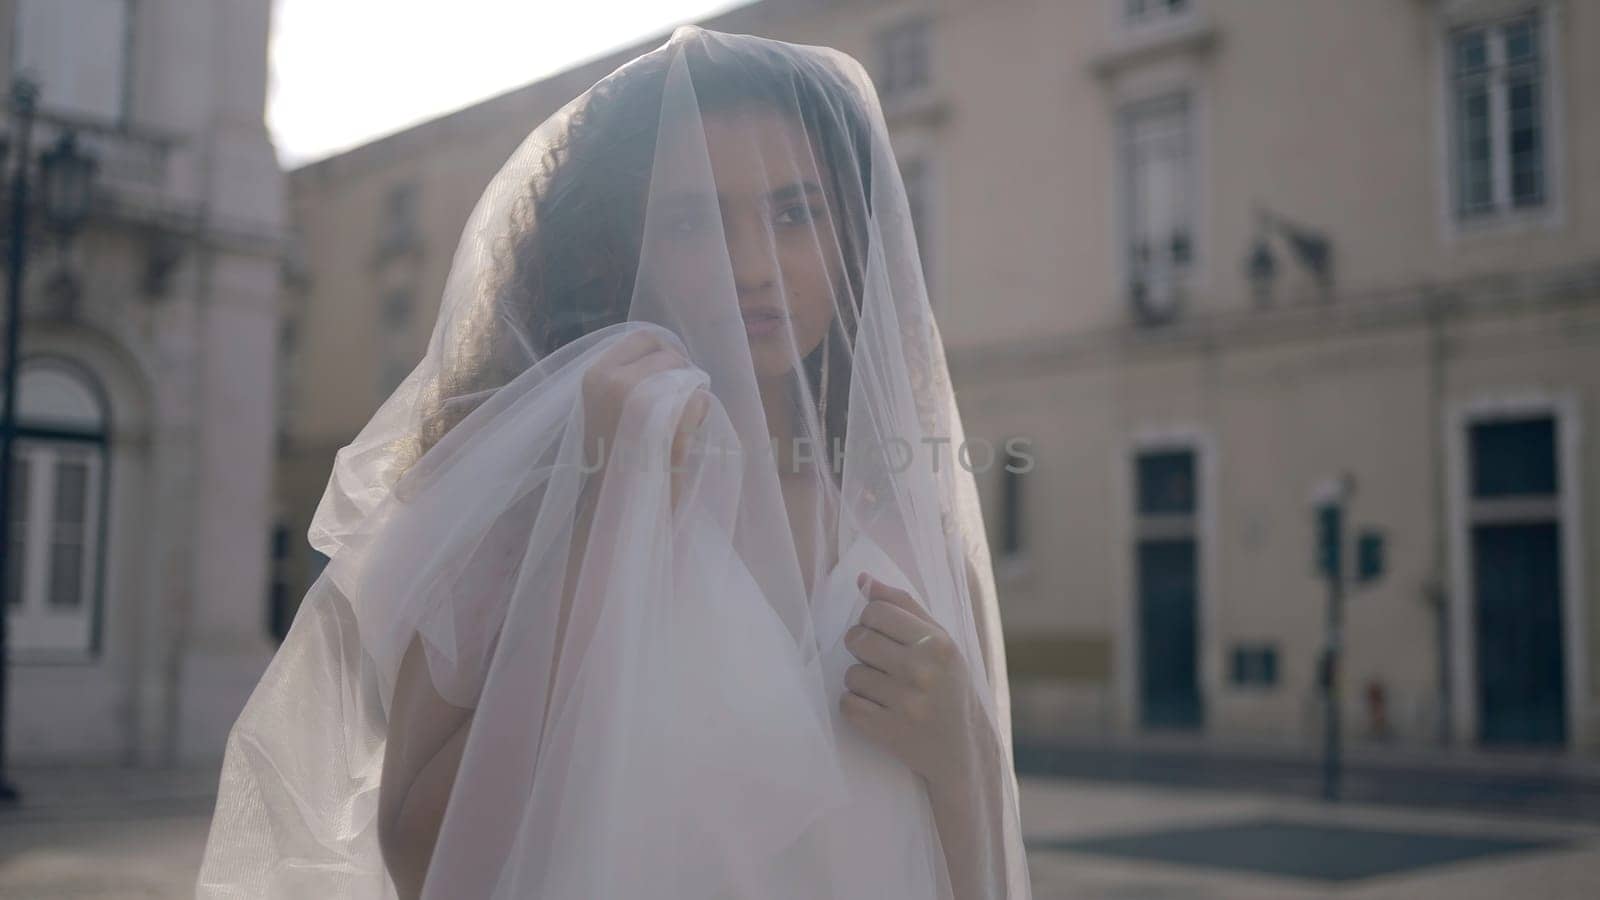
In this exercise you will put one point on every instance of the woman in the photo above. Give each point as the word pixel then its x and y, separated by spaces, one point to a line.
pixel 592 625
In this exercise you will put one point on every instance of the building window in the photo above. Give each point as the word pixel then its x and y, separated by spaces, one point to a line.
pixel 1497 111
pixel 903 64
pixel 398 231
pixel 57 511
pixel 394 335
pixel 1166 483
pixel 1254 665
pixel 1012 543
pixel 77 52
pixel 1514 458
pixel 1158 192
pixel 1140 11
pixel 397 308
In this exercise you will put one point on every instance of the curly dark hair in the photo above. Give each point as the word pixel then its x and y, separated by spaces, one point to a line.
pixel 570 264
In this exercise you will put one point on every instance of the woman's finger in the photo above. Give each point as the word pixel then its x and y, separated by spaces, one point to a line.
pixel 649 364
pixel 877 590
pixel 629 349
pixel 894 621
pixel 876 650
pixel 694 413
pixel 874 685
pixel 869 717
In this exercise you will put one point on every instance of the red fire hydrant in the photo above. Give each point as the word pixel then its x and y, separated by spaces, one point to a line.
pixel 1377 710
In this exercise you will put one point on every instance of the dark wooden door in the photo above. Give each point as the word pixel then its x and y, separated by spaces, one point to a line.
pixel 1517 581
pixel 1168 634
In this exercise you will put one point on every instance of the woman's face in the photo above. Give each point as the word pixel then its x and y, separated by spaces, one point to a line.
pixel 777 234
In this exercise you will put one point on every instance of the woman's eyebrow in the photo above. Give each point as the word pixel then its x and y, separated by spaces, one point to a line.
pixel 794 191
pixel 790 191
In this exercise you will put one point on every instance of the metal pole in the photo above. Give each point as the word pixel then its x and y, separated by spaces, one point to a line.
pixel 1330 770
pixel 24 96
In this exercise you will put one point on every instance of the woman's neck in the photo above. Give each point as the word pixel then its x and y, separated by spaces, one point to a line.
pixel 778 405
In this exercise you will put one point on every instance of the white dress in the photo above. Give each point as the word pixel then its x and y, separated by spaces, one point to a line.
pixel 887 828
pixel 881 827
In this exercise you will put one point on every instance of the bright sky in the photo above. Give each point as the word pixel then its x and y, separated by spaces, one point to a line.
pixel 347 71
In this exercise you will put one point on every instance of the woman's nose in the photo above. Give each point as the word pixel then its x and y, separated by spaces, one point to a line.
pixel 753 259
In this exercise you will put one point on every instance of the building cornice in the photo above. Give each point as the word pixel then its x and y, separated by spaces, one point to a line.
pixel 1345 315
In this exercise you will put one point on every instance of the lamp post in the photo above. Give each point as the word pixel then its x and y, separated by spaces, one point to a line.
pixel 67 174
pixel 1330 510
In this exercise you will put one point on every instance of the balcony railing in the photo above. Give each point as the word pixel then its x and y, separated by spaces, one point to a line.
pixel 132 160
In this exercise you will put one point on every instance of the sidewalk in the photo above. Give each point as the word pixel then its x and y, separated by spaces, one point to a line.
pixel 1457 758
pixel 65 793
pixel 1559 786
pixel 102 833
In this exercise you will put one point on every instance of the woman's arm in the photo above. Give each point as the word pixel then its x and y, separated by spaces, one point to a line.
pixel 426 738
pixel 426 735
pixel 968 813
pixel 918 695
pixel 968 805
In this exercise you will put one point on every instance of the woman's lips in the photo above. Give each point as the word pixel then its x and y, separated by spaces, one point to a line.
pixel 763 324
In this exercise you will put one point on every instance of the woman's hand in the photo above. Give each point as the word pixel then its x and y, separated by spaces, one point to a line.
pixel 913 694
pixel 606 386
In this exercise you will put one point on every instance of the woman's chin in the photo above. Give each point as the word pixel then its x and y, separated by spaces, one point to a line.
pixel 770 359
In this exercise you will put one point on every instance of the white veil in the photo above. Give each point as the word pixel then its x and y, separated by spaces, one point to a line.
pixel 631 681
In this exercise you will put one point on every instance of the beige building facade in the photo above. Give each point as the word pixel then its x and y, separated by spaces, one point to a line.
pixel 144 457
pixel 1215 259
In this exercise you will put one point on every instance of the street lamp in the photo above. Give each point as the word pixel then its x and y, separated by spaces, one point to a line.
pixel 1312 248
pixel 67 180
pixel 68 177
pixel 1262 269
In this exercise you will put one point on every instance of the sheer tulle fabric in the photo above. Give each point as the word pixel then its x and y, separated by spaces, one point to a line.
pixel 653 694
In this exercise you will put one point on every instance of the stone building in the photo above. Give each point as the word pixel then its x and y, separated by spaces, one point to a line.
pixel 1215 259
pixel 144 460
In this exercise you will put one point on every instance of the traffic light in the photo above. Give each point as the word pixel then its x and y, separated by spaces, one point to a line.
pixel 1330 529
pixel 1369 555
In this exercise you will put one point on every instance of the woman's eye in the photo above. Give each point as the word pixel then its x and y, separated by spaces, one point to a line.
pixel 798 214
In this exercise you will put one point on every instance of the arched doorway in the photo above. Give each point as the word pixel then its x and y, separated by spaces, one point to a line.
pixel 58 513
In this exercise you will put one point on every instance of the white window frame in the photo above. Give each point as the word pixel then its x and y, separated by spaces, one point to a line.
pixel 35 626
pixel 112 110
pixel 1182 278
pixel 1458 421
pixel 47 433
pixel 1450 17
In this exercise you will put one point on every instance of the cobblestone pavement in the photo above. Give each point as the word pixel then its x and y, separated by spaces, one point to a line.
pixel 1563 862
